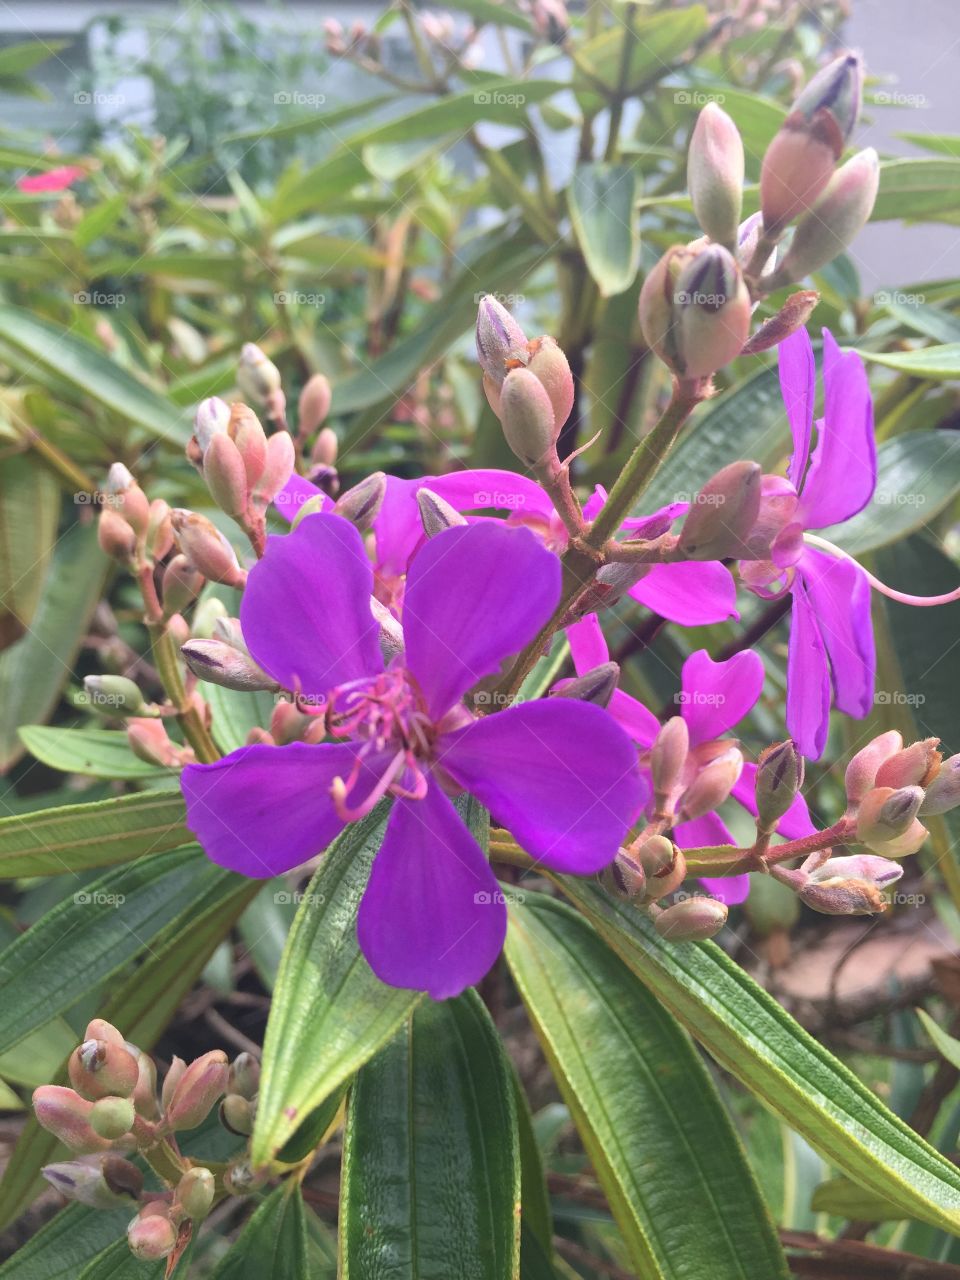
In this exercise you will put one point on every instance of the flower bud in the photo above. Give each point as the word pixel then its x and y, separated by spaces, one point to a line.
pixel 943 793
pixel 597 685
pixel 361 504
pixel 212 418
pixel 903 845
pixel 714 309
pixel 112 1117
pixel 667 759
pixel 692 920
pixel 101 1068
pixel 257 376
pixel 66 1115
pixel 244 1075
pixel 181 583
pixel 195 1192
pixel 861 773
pixel 236 1114
pixel 723 513
pixel 149 742
pixel 325 448
pixel 885 813
pixel 436 513
pixel 658 315
pixel 499 339
pixel 128 499
pixel 552 370
pixel 914 766
pixel 171 1080
pixel 836 88
pixel 280 461
pixel 793 315
pixel 624 877
pixel 206 548
pixel 312 409
pixel 527 417
pixel 715 174
pixel 145 1094
pixel 663 865
pixel 197 1090
pixel 240 1179
pixel 860 866
pixel 391 632
pixel 248 435
pixel 838 216
pixel 712 785
pixel 101 1182
pixel 113 695
pixel 159 539
pixel 778 782
pixel 116 538
pixel 843 896
pixel 152 1238
pixel 100 1029
pixel 221 664
pixel 225 475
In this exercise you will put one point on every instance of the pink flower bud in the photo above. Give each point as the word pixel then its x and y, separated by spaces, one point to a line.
pixel 112 1117
pixel 843 896
pixel 101 1182
pixel 197 1090
pixel 723 513
pixel 101 1068
pixel 436 513
pixel 837 88
pixel 325 448
pixel 903 845
pixel 361 504
pixel 527 416
pixel 943 792
pixel 66 1115
pixel 624 877
pixel 181 584
pixel 668 758
pixel 116 538
pixel 714 309
pixel 171 1080
pixel 128 498
pixel 860 866
pixel 159 539
pixel 206 548
pixel 212 418
pixel 149 742
pixel 221 664
pixel 837 217
pixel 312 409
pixel 250 438
pixel 658 316
pixel 500 340
pixel 225 474
pixel 145 1094
pixel 552 369
pixel 152 1238
pixel 712 785
pixel 195 1192
pixel 257 376
pixel 597 685
pixel 715 174
pixel 778 782
pixel 692 920
pixel 914 766
pixel 663 865
pixel 861 773
pixel 885 813
pixel 278 468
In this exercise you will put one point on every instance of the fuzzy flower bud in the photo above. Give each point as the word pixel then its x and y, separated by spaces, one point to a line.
pixel 527 416
pixel 206 548
pixel 113 695
pixel 280 461
pixel 247 433
pixel 128 498
pixel 145 1094
pixel 861 773
pixel 112 1117
pixel 778 782
pixel 171 1080
pixel 943 793
pixel 885 813
pixel 914 766
pixel 212 418
pixel 116 538
pixel 221 664
pixel 715 174
pixel 236 1114
pixel 257 376
pixel 195 1192
pixel 692 920
pixel 436 513
pixel 66 1115
pixel 835 220
pixel 843 896
pixel 723 513
pixel 499 339
pixel 152 1238
pixel 101 1182
pixel 712 784
pixel 181 583
pixel 313 407
pixel 552 369
pixel 658 318
pixel 361 504
pixel 667 759
pixel 102 1068
pixel 714 309
pixel 149 742
pixel 244 1075
pixel 624 877
pixel 325 448
pixel 663 865
pixel 225 475
pixel 159 539
pixel 597 685
pixel 197 1091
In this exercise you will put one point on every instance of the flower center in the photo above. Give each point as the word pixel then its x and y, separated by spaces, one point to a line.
pixel 386 717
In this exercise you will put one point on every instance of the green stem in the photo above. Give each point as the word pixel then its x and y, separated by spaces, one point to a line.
pixel 188 717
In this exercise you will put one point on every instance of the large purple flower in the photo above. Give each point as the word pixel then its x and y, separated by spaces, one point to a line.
pixel 560 774
pixel 714 697
pixel 831 654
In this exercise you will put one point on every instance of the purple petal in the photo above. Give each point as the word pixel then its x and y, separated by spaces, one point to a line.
pixel 729 889
pixel 717 695
pixel 843 471
pixel 306 609
pixel 692 594
pixel 588 647
pixel 475 594
pixel 794 824
pixel 839 594
pixel 702 833
pixel 295 493
pixel 798 386
pixel 562 776
pixel 432 917
pixel 808 678
pixel 262 810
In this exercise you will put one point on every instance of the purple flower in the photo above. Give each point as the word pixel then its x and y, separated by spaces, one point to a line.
pixel 714 697
pixel 831 654
pixel 561 775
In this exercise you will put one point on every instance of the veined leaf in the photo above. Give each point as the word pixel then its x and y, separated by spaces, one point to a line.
pixel 101 753
pixel 918 189
pixel 947 1044
pixel 602 200
pixel 655 1129
pixel 844 1199
pixel 657 41
pixel 431 1165
pixel 116 1262
pixel 273 1243
pixel 63 1247
pixel 938 362
pixel 29 513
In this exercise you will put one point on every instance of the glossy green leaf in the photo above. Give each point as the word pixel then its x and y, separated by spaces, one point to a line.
pixel 29 514
pixel 34 670
pixel 80 836
pixel 602 200
pixel 273 1243
pixel 947 1044
pixel 844 1199
pixel 430 1186
pixel 932 322
pixel 64 1245
pixel 939 362
pixel 329 1013
pixel 918 190
pixel 92 373
pixel 757 1041
pixel 917 475
pixel 100 753
pixel 117 1263
pixel 653 1125
pixel 235 713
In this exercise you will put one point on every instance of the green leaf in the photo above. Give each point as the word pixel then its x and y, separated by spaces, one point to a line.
pixel 329 1013
pixel 918 473
pixel 92 373
pixel 658 40
pixel 844 1199
pixel 33 671
pixel 235 713
pixel 932 322
pixel 948 1045
pixel 918 190
pixel 64 1245
pixel 939 362
pixel 92 934
pixel 80 836
pixel 273 1243
pixel 102 218
pixel 757 1041
pixel 15 59
pixel 29 513
pixel 602 200
pixel 653 1125
pixel 100 753
pixel 431 1165
pixel 118 1263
